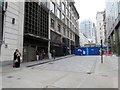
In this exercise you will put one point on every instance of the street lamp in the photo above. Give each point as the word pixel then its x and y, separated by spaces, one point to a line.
pixel 101 51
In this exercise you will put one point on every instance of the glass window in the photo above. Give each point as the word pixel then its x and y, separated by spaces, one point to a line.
pixel 70 16
pixel 58 13
pixel 58 2
pixel 67 22
pixel 63 17
pixel 1 2
pixel 70 25
pixel 64 31
pixel 119 7
pixel 59 28
pixel 119 33
pixel 67 33
pixel 71 35
pixel 67 12
pixel 63 6
pixel 52 23
pixel 52 7
pixel 100 24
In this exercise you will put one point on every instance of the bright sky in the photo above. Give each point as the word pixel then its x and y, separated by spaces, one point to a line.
pixel 87 9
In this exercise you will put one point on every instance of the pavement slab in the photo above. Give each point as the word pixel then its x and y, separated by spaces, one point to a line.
pixel 72 72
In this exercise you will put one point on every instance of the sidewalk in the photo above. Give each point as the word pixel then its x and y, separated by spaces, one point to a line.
pixel 108 69
pixel 9 68
pixel 66 73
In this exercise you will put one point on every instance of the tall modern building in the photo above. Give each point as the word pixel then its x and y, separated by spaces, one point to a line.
pixel 87 27
pixel 37 26
pixel 101 27
pixel 113 25
pixel 83 39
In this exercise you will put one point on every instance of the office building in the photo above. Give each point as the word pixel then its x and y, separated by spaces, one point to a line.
pixel 36 26
pixel 87 27
pixel 101 28
pixel 113 25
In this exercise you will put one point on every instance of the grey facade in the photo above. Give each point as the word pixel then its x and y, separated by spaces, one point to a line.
pixel 87 27
pixel 28 26
pixel 1 24
pixel 113 25
pixel 36 26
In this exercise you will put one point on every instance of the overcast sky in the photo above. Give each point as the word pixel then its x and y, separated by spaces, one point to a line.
pixel 88 8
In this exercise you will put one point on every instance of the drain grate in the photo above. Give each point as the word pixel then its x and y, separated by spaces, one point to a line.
pixel 89 72
pixel 10 77
pixel 18 78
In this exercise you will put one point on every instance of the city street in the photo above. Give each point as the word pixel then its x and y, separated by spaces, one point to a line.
pixel 72 72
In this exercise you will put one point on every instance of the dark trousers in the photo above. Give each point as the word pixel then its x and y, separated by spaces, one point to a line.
pixel 17 64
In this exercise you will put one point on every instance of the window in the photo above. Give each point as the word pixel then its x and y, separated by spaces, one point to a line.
pixel 71 35
pixel 59 28
pixel 69 7
pixel 63 6
pixel 70 25
pixel 70 16
pixel 52 7
pixel 67 33
pixel 64 31
pixel 67 12
pixel 58 13
pixel 67 22
pixel 63 17
pixel 58 2
pixel 100 24
pixel 119 33
pixel 52 23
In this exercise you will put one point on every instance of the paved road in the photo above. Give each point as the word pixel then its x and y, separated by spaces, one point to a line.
pixel 73 72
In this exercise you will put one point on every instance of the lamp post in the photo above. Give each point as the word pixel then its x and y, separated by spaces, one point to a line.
pixel 101 51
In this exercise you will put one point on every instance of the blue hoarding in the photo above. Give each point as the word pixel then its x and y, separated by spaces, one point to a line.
pixel 83 51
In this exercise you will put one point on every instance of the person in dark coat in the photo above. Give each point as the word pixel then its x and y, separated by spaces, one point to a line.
pixel 16 61
pixel 54 53
pixel 43 54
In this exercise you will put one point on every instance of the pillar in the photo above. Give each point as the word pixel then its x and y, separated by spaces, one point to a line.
pixel 49 34
pixel 116 40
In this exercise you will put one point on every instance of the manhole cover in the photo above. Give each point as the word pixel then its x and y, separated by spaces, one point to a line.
pixel 18 78
pixel 10 77
pixel 104 75
pixel 89 72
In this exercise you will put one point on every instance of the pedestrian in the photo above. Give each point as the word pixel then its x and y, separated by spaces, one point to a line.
pixel 43 54
pixel 54 53
pixel 37 55
pixel 40 55
pixel 16 61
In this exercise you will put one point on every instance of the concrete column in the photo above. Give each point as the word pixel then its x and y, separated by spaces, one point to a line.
pixel 111 42
pixel 116 40
pixel 49 35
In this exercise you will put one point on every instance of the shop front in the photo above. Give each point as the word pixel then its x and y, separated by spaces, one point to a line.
pixel 56 43
pixel 66 48
pixel 33 45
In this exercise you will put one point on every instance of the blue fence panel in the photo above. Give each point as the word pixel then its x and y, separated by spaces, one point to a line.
pixel 94 51
pixel 88 51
